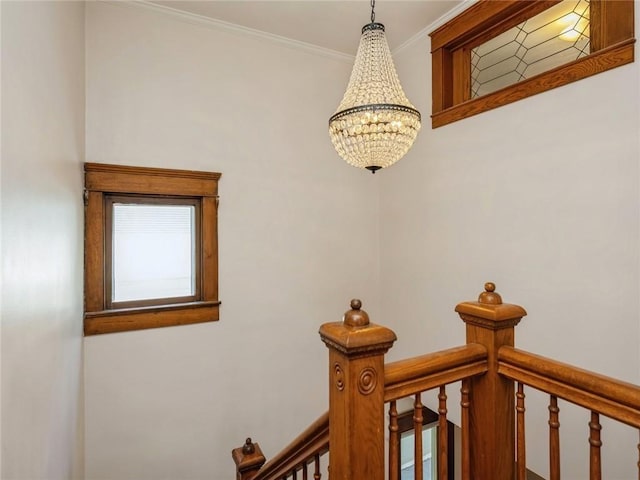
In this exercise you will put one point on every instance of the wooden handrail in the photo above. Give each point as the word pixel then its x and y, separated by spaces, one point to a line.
pixel 418 374
pixel 614 398
pixel 313 441
pixel 488 365
pixel 402 378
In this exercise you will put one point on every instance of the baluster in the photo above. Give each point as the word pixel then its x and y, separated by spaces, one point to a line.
pixel 295 474
pixel 554 439
pixel 394 442
pixel 317 475
pixel 595 467
pixel 464 423
pixel 417 433
pixel 521 451
pixel 304 471
pixel 443 454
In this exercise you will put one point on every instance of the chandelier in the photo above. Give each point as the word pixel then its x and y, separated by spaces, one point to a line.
pixel 375 124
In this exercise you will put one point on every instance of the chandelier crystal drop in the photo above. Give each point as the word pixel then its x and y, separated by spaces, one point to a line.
pixel 375 124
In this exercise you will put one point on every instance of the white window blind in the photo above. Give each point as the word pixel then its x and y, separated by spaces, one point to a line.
pixel 153 251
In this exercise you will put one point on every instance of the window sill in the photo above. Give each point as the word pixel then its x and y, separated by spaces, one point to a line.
pixel 138 318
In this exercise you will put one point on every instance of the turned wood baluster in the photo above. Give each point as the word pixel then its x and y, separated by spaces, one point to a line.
pixel 554 439
pixel 464 424
pixel 356 395
pixel 317 475
pixel 417 433
pixel 520 437
pixel 394 441
pixel 595 467
pixel 443 441
pixel 492 426
pixel 295 474
pixel 304 471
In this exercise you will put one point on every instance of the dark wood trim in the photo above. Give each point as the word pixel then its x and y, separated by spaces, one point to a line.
pixel 94 252
pixel 612 38
pixel 611 22
pixel 121 320
pixel 209 254
pixel 150 171
pixel 150 181
pixel 104 183
pixel 481 17
pixel 598 62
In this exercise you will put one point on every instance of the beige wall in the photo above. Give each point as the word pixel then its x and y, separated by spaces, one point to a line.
pixel 541 197
pixel 298 240
pixel 42 151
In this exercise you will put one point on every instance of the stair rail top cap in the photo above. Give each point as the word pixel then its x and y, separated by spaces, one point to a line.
pixel 490 307
pixel 356 334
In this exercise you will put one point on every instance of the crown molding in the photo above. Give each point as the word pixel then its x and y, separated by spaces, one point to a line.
pixel 431 27
pixel 197 19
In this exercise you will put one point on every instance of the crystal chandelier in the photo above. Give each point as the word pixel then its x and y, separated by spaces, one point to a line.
pixel 375 124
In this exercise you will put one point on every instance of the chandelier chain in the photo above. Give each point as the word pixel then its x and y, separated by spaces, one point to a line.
pixel 373 11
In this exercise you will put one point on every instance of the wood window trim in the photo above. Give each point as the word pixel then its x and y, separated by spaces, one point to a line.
pixel 612 40
pixel 103 181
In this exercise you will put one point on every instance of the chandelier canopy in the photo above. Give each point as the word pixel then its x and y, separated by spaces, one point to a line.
pixel 375 124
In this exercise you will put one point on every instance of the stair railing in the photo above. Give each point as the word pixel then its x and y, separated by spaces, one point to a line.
pixel 302 455
pixel 491 409
pixel 599 394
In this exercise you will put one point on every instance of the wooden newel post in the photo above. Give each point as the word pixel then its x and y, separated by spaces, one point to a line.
pixel 356 395
pixel 248 459
pixel 492 416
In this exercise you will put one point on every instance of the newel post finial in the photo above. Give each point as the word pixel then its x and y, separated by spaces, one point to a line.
pixel 356 394
pixel 491 323
pixel 356 317
pixel 248 459
pixel 489 296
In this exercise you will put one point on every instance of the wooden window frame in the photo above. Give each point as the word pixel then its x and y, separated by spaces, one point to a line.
pixel 103 183
pixel 612 45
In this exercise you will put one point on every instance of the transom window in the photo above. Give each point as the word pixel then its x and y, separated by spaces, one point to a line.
pixel 498 52
pixel 552 38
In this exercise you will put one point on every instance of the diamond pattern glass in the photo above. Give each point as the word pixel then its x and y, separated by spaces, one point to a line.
pixel 552 38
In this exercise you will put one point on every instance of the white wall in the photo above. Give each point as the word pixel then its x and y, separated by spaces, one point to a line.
pixel 42 151
pixel 541 197
pixel 298 239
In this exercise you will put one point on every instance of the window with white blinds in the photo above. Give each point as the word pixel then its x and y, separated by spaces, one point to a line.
pixel 151 248
pixel 153 251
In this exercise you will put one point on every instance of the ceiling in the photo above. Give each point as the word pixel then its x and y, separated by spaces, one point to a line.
pixel 331 24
